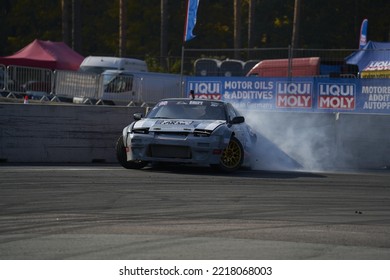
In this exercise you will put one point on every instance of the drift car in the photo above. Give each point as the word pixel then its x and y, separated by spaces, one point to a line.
pixel 189 131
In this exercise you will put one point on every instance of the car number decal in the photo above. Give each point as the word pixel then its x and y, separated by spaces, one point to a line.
pixel 175 122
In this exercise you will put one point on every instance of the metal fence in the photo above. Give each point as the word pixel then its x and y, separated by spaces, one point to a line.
pixel 136 88
pixel 80 87
pixel 85 86
pixel 3 78
pixel 16 81
pixel 31 80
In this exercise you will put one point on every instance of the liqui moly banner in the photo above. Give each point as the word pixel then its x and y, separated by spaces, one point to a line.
pixel 336 96
pixel 296 94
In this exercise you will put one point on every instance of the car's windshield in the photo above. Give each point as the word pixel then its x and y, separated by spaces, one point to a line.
pixel 188 109
pixel 107 78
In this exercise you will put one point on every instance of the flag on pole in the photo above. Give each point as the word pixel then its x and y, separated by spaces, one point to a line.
pixel 192 8
pixel 363 34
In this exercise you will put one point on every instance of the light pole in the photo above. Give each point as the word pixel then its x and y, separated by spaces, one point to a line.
pixel 122 27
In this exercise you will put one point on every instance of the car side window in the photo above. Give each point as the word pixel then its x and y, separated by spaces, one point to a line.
pixel 231 112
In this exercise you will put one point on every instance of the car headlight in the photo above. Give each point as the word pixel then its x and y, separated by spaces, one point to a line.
pixel 202 133
pixel 140 131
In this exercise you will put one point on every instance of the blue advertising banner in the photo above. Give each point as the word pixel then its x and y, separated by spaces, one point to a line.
pixel 297 94
pixel 363 34
pixel 192 8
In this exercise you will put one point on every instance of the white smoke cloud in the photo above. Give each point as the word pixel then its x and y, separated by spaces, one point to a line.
pixel 293 141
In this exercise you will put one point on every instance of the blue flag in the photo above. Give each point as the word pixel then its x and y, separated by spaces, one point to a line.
pixel 363 34
pixel 192 8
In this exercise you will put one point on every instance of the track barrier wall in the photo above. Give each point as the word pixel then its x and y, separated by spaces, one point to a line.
pixel 40 133
pixel 61 133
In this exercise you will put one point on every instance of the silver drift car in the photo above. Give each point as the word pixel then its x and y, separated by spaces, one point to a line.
pixel 188 131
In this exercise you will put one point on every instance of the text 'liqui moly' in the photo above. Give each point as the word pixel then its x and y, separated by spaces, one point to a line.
pixel 207 89
pixel 336 96
pixel 294 95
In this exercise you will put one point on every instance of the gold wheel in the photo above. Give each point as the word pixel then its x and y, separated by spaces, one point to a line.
pixel 232 156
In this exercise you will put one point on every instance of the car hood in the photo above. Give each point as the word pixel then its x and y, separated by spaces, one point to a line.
pixel 177 125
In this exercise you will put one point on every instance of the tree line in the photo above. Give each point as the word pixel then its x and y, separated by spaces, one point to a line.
pixel 153 29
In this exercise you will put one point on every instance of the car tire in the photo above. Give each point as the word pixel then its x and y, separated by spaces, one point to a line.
pixel 122 159
pixel 232 157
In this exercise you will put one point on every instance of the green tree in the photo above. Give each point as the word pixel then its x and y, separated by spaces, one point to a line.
pixel 331 24
pixel 27 20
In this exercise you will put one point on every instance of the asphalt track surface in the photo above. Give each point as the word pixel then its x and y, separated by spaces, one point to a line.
pixel 106 212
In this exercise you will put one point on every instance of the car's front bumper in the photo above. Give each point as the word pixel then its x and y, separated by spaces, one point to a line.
pixel 172 147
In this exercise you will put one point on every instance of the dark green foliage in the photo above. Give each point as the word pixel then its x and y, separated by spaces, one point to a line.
pixel 324 24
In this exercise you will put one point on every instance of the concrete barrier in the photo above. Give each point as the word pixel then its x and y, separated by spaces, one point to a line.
pixel 61 133
pixel 83 134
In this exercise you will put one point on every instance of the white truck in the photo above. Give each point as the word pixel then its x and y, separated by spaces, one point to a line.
pixel 140 87
pixel 120 80
pixel 98 64
pixel 118 86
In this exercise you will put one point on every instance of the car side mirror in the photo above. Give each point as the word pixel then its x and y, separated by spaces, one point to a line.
pixel 237 120
pixel 137 116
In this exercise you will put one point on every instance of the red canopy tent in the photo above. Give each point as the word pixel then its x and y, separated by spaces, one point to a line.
pixel 45 54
